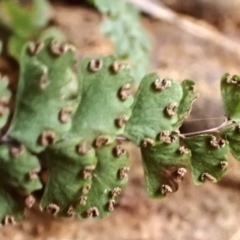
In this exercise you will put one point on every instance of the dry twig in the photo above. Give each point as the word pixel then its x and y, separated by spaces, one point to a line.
pixel 197 28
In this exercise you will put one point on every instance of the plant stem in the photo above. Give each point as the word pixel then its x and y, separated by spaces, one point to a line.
pixel 225 124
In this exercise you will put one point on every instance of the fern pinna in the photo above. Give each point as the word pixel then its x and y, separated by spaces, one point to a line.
pixel 69 122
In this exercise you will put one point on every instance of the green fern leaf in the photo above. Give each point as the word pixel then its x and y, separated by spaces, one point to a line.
pixel 69 165
pixel 23 22
pixel 47 97
pixel 232 135
pixel 189 95
pixel 108 180
pixel 209 157
pixel 230 86
pixel 18 170
pixel 5 96
pixel 124 27
pixel 106 99
pixel 100 117
pixel 154 109
pixel 165 164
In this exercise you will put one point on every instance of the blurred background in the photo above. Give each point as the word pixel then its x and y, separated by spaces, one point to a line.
pixel 193 39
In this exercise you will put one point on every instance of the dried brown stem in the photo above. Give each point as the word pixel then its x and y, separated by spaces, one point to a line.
pixel 198 28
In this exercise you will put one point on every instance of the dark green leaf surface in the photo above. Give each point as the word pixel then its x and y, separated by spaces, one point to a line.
pixel 149 116
pixel 5 96
pixel 101 104
pixel 47 87
pixel 106 177
pixel 16 43
pixel 66 180
pixel 26 22
pixel 23 22
pixel 164 164
pixel 189 95
pixel 208 161
pixel 18 170
pixel 11 205
pixel 232 135
pixel 15 46
pixel 230 89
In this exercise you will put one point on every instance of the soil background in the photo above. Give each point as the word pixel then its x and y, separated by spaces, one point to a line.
pixel 208 212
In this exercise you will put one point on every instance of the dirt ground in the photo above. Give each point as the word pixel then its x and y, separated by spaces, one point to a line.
pixel 208 212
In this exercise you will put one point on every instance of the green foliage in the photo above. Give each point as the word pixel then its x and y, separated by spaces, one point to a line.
pixel 72 116
pixel 31 23
pixel 165 165
pixel 15 45
pixel 5 96
pixel 108 180
pixel 209 157
pixel 232 135
pixel 185 105
pixel 18 170
pixel 98 120
pixel 158 99
pixel 231 96
pixel 47 75
pixel 69 122
pixel 26 23
pixel 151 103
pixel 106 99
pixel 106 6
pixel 65 182
pixel 124 27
